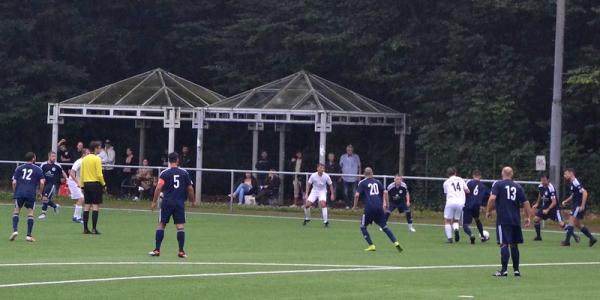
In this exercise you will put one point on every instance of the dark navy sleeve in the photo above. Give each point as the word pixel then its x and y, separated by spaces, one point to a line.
pixel 520 195
pixel 495 189
pixel 360 188
pixel 38 173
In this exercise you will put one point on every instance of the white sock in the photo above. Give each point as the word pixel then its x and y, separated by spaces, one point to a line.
pixel 448 229
pixel 307 213
pixel 455 226
pixel 324 211
pixel 77 212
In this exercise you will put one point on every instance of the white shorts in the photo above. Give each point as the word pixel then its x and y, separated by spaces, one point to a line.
pixel 74 189
pixel 453 211
pixel 317 195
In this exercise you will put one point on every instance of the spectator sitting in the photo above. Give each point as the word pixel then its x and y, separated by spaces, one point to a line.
pixel 270 188
pixel 145 180
pixel 247 186
pixel 263 164
pixel 128 171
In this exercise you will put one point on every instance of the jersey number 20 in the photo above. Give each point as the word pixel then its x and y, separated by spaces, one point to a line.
pixel 374 189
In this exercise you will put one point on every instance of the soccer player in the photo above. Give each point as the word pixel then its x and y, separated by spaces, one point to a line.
pixel 316 189
pixel 25 182
pixel 506 198
pixel 175 184
pixel 578 198
pixel 474 200
pixel 53 172
pixel 547 207
pixel 75 189
pixel 455 190
pixel 92 181
pixel 398 191
pixel 371 191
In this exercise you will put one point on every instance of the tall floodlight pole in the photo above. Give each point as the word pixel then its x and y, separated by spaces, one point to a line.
pixel 556 121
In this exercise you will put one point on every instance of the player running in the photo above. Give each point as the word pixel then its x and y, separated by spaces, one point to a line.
pixel 371 191
pixel 547 207
pixel 579 197
pixel 506 198
pixel 25 182
pixel 53 173
pixel 480 194
pixel 316 189
pixel 75 189
pixel 175 184
pixel 455 190
pixel 398 192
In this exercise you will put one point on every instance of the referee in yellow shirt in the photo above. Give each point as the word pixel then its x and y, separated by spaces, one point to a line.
pixel 92 182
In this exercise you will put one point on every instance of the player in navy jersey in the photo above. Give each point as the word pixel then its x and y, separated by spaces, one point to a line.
pixel 400 199
pixel 53 172
pixel 479 194
pixel 25 182
pixel 371 191
pixel 546 207
pixel 578 198
pixel 175 185
pixel 507 197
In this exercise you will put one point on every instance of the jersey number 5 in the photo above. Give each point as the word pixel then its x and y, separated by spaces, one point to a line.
pixel 374 189
pixel 27 174
pixel 176 181
pixel 511 193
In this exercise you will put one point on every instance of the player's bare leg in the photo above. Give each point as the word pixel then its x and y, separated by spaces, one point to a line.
pixel 324 212
pixel 307 207
pixel 181 240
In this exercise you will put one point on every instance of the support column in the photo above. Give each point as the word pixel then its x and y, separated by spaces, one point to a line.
pixel 322 146
pixel 281 128
pixel 255 127
pixel 401 153
pixel 55 136
pixel 556 115
pixel 171 122
pixel 142 148
pixel 54 119
pixel 322 126
pixel 199 153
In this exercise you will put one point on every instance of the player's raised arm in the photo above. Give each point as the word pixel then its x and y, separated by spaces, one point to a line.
pixel 159 186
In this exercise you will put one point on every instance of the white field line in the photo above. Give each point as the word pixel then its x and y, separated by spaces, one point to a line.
pixel 109 279
pixel 129 263
pixel 285 217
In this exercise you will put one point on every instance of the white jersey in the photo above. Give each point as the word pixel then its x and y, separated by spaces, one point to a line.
pixel 454 188
pixel 77 168
pixel 319 183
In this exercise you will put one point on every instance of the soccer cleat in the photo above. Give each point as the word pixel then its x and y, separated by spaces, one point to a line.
pixel 371 248
pixel 456 236
pixel 472 240
pixel 326 224
pixel 411 228
pixel 87 231
pixel 398 247
pixel 30 239
pixel 593 242
pixel 500 274
pixel 13 236
pixel 576 238
pixel 306 221
pixel 78 221
pixel 182 254
pixel 537 238
pixel 154 253
pixel 42 216
pixel 565 244
pixel 517 273
pixel 449 241
pixel 56 208
pixel 94 231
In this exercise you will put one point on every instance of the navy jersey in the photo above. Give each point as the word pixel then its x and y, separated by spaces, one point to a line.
pixel 478 195
pixel 397 193
pixel 28 177
pixel 577 192
pixel 52 173
pixel 509 198
pixel 174 190
pixel 547 193
pixel 371 192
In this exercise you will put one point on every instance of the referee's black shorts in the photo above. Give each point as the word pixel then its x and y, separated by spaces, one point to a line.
pixel 92 192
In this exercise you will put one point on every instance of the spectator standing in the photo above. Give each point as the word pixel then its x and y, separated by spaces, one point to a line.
pixel 186 158
pixel 263 164
pixel 270 188
pixel 164 158
pixel 64 155
pixel 297 165
pixel 350 165
pixel 129 161
pixel 78 152
pixel 333 167
pixel 107 156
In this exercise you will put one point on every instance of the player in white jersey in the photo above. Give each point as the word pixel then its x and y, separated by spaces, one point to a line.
pixel 455 189
pixel 316 189
pixel 74 189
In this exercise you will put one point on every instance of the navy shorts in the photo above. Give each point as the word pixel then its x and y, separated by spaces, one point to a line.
pixel 373 216
pixel 553 214
pixel 509 234
pixel 470 212
pixel 27 202
pixel 177 212
pixel 49 191
pixel 578 213
pixel 400 206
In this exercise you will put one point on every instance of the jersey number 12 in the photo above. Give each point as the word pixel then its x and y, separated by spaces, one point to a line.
pixel 27 174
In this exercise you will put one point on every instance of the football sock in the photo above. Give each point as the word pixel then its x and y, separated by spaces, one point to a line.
pixel 324 211
pixel 514 253
pixel 504 256
pixel 569 233
pixel 86 218
pixel 366 235
pixel 479 226
pixel 29 225
pixel 387 216
pixel 538 229
pixel 160 234
pixel 51 204
pixel 44 207
pixel 15 220
pixel 389 233
pixel 77 212
pixel 307 213
pixel 181 238
pixel 409 219
pixel 455 226
pixel 94 218
pixel 448 229
pixel 467 229
pixel 587 232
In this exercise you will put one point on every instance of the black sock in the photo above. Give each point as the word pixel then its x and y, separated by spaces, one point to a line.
pixel 587 233
pixel 514 253
pixel 409 219
pixel 467 229
pixel 51 204
pixel 504 256
pixel 387 216
pixel 479 226
pixel 86 218
pixel 94 219
pixel 181 238
pixel 538 230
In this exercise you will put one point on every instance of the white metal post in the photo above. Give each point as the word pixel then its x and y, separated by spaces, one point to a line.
pixel 281 161
pixel 142 149
pixel 199 146
pixel 401 153
pixel 322 145
pixel 254 148
pixel 556 118
pixel 55 135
